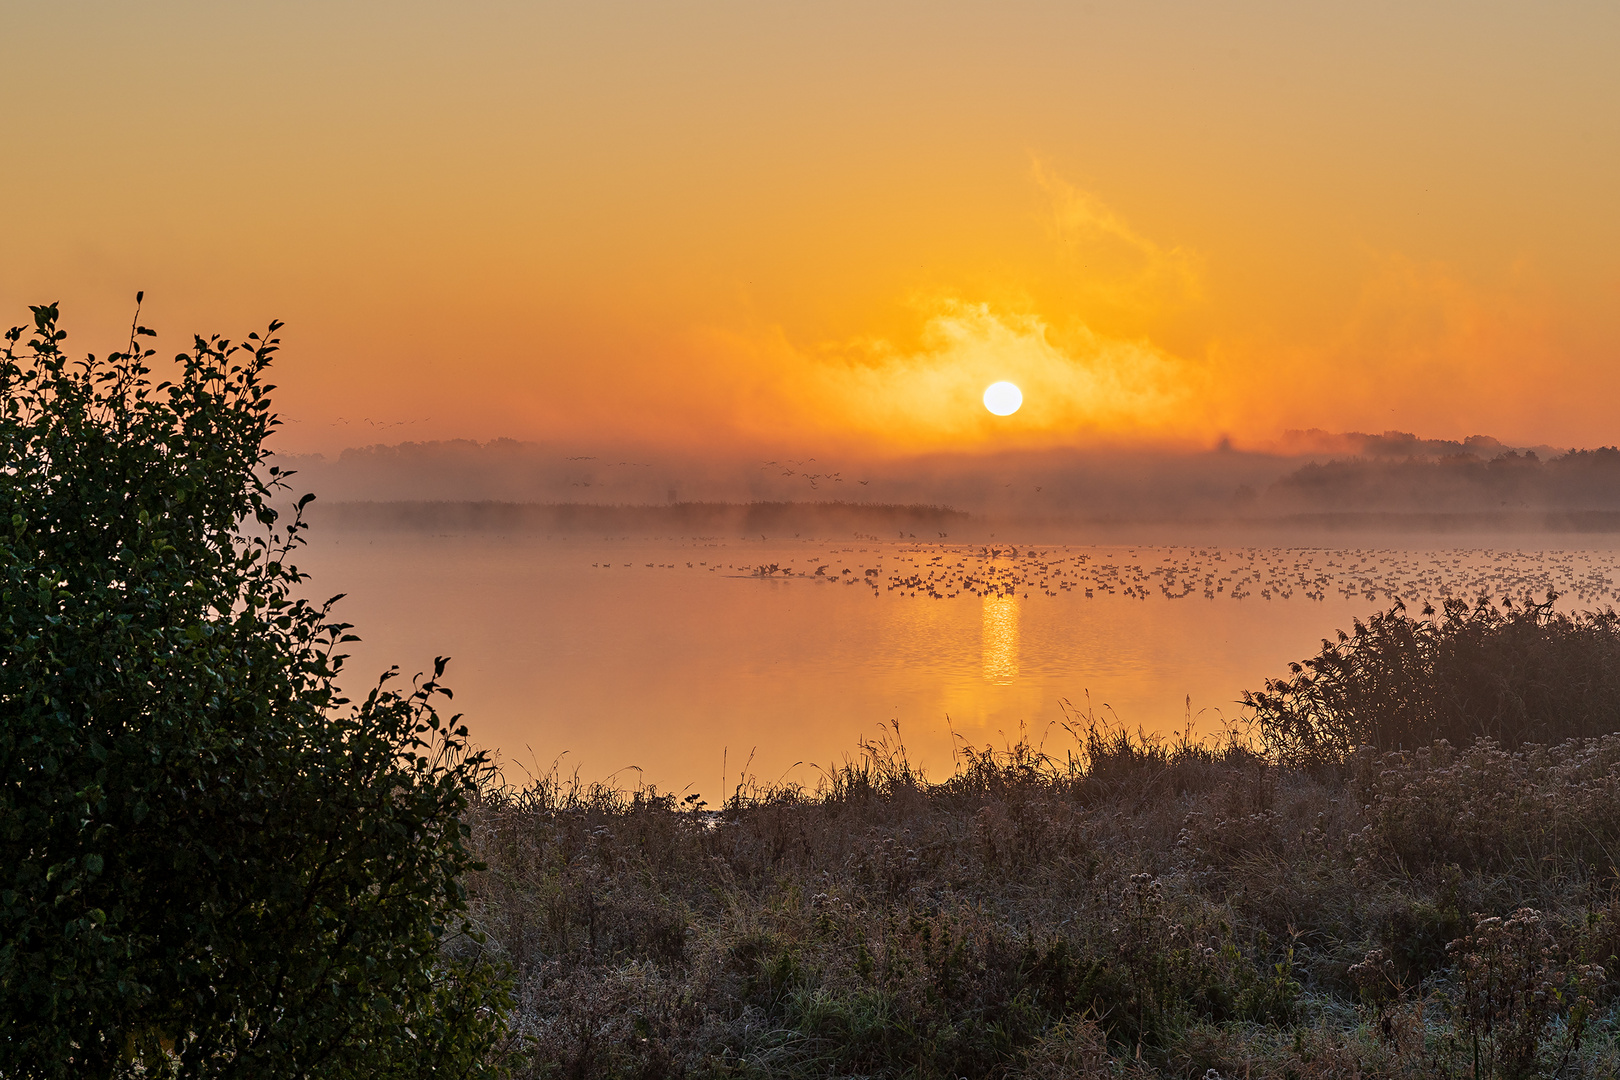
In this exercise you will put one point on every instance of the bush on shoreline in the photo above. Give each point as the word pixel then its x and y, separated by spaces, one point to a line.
pixel 1514 674
pixel 211 863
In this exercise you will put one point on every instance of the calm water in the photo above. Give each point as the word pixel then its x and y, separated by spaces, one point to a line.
pixel 683 658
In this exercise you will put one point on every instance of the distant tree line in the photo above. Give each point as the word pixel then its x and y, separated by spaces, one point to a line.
pixel 1510 481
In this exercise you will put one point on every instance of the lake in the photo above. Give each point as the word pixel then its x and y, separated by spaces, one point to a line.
pixel 691 659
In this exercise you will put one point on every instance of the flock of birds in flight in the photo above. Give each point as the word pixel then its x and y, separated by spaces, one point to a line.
pixel 813 479
pixel 946 571
pixel 378 424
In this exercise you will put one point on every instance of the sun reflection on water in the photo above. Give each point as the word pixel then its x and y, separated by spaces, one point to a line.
pixel 999 639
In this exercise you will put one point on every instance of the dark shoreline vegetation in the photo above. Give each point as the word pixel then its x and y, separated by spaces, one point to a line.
pixel 710 518
pixel 1405 868
pixel 882 521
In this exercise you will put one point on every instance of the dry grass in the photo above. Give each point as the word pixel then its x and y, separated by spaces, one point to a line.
pixel 1134 909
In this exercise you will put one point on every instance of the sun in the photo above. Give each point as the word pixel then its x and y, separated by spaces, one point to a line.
pixel 1003 398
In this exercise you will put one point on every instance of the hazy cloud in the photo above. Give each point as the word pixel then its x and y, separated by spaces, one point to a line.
pixel 1114 263
pixel 1086 387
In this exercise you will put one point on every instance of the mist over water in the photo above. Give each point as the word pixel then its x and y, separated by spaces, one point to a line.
pixel 687 657
pixel 623 607
pixel 1313 480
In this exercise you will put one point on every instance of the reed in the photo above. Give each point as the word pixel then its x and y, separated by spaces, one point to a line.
pixel 1128 906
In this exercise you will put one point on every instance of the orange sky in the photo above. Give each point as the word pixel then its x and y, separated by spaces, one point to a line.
pixel 833 224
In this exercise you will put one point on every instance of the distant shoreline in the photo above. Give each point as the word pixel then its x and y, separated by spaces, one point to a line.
pixel 886 520
pixel 771 518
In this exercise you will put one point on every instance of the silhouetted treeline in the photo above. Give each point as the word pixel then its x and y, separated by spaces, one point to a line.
pixel 1314 442
pixel 1576 481
pixel 688 519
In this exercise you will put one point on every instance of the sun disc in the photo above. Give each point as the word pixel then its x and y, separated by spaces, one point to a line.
pixel 1003 398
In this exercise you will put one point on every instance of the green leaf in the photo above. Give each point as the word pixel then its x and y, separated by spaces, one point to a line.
pixel 168 700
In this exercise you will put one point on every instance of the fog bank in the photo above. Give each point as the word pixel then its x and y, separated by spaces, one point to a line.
pixel 1311 480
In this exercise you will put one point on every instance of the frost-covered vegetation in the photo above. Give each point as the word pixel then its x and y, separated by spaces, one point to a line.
pixel 1258 907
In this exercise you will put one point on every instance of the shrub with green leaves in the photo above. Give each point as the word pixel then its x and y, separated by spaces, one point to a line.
pixel 211 863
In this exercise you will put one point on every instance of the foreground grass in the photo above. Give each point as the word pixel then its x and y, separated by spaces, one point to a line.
pixel 1133 909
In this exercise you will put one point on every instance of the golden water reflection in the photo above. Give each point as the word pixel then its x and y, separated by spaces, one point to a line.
pixel 678 659
pixel 999 639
